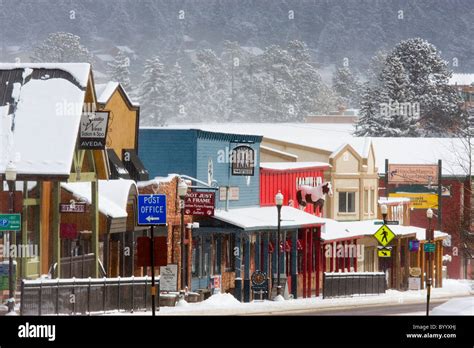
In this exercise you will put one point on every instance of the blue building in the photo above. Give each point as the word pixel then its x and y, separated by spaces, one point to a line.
pixel 241 238
pixel 205 156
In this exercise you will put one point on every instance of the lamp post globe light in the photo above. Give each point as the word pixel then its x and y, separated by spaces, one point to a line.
pixel 429 239
pixel 10 177
pixel 182 190
pixel 279 203
pixel 384 211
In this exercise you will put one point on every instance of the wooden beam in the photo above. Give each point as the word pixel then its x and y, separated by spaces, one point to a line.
pixel 83 177
pixel 30 201
pixel 24 229
pixel 44 226
pixel 55 228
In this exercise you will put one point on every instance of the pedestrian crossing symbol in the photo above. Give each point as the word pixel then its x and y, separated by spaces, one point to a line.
pixel 384 235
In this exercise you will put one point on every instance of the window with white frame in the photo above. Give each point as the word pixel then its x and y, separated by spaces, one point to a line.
pixel 347 202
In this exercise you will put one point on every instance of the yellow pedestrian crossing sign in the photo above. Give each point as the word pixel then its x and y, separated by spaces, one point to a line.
pixel 384 252
pixel 384 235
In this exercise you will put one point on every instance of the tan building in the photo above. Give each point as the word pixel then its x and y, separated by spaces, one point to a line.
pixel 353 175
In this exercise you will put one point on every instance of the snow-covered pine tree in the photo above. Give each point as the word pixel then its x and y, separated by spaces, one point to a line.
pixel 154 94
pixel 428 75
pixel 399 114
pixel 346 84
pixel 210 98
pixel 416 95
pixel 178 92
pixel 371 122
pixel 61 47
pixel 119 70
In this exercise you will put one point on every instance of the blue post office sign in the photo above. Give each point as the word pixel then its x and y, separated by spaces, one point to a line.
pixel 151 209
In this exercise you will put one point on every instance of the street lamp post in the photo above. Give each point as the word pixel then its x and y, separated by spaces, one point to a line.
pixel 279 204
pixel 429 236
pixel 10 176
pixel 384 210
pixel 182 190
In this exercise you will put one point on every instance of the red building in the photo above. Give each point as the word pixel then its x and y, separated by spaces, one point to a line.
pixel 286 177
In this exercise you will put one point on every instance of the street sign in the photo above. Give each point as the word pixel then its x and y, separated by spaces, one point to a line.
pixel 384 235
pixel 411 174
pixel 151 209
pixel 72 207
pixel 387 223
pixel 259 281
pixel 384 252
pixel 199 203
pixel 414 245
pixel 10 222
pixel 93 130
pixel 429 247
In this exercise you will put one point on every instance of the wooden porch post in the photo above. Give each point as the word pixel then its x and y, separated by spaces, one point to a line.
pixel 310 261
pixel 95 225
pixel 356 258
pixel 396 264
pixel 56 193
pixel 305 265
pixel 318 259
pixel 294 263
pixel 422 261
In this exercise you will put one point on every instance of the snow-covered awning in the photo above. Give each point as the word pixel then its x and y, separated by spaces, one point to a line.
pixel 266 218
pixel 40 117
pixel 337 230
pixel 113 195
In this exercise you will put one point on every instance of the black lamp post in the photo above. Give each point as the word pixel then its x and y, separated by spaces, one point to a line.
pixel 10 176
pixel 182 190
pixel 429 237
pixel 279 203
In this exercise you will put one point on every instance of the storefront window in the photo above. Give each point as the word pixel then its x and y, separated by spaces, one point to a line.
pixel 195 257
pixel 346 202
pixel 228 245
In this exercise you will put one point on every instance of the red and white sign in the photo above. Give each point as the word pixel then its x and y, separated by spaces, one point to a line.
pixel 199 203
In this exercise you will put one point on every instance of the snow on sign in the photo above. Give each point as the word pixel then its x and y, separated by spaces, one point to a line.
pixel 93 131
pixel 151 209
pixel 199 203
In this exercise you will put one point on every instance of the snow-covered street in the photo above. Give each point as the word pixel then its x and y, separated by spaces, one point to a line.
pixel 226 304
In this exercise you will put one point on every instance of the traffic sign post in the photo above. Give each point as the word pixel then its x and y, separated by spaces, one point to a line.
pixel 152 212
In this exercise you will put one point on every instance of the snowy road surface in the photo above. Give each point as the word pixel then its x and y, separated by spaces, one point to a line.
pixel 226 304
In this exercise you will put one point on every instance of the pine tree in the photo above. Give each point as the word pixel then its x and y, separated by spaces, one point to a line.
pixel 414 96
pixel 61 47
pixel 119 70
pixel 370 122
pixel 347 86
pixel 154 94
pixel 178 92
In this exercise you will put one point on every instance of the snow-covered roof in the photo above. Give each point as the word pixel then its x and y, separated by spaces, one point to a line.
pixel 252 50
pixel 335 230
pixel 461 79
pixel 331 137
pixel 266 218
pixel 105 90
pixel 46 120
pixel 270 149
pixel 393 200
pixel 423 151
pixel 113 195
pixel 157 180
pixel 80 71
pixel 293 165
pixel 125 49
